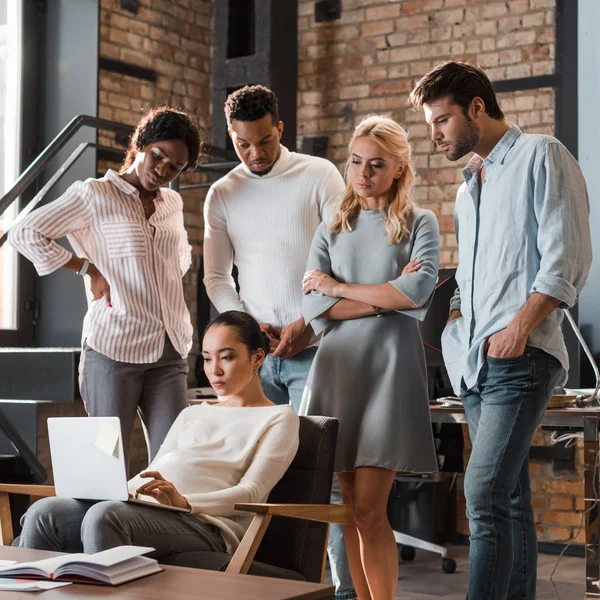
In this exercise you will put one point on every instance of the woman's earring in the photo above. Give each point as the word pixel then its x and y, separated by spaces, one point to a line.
pixel 256 372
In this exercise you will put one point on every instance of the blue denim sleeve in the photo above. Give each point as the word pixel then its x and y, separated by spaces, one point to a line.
pixel 562 210
pixel 418 287
pixel 315 303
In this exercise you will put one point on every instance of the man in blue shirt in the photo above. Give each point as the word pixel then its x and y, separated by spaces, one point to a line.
pixel 524 252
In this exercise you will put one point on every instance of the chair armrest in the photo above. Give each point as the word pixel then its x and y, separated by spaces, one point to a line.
pixel 244 555
pixel 41 491
pixel 324 513
pixel 38 491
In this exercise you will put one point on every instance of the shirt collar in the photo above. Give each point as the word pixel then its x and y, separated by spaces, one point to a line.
pixel 498 153
pixel 125 186
pixel 502 148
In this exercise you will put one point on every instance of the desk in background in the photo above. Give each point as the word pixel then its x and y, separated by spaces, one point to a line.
pixel 577 419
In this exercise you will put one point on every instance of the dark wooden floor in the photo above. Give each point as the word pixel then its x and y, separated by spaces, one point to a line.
pixel 424 579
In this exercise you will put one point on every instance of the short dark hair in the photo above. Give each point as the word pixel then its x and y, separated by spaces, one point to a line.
pixel 246 327
pixel 251 103
pixel 165 123
pixel 462 83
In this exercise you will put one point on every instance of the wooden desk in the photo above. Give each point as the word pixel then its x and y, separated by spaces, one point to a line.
pixel 577 419
pixel 177 583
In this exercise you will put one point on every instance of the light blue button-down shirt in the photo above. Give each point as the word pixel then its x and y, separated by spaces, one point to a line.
pixel 525 230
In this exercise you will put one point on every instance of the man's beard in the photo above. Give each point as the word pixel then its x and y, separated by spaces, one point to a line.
pixel 466 142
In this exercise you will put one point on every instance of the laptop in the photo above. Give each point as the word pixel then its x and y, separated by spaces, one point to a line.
pixel 88 460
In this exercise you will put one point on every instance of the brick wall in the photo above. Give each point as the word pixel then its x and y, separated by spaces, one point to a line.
pixel 368 61
pixel 173 38
pixel 557 496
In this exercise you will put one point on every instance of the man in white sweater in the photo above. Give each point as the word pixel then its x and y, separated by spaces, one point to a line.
pixel 261 217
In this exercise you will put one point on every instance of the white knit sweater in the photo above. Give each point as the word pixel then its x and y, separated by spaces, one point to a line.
pixel 217 456
pixel 265 226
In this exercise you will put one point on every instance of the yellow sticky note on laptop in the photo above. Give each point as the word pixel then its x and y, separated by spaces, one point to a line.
pixel 107 439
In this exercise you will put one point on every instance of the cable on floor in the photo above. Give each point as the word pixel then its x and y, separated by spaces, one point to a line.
pixel 570 541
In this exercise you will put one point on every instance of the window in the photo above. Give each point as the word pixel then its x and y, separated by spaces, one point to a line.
pixel 11 28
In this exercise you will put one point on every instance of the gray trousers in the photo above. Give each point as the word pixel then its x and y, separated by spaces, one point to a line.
pixel 68 525
pixel 157 391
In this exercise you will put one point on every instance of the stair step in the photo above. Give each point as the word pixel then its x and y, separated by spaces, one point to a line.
pixel 39 374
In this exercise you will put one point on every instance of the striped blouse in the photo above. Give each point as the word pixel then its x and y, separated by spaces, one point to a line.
pixel 142 259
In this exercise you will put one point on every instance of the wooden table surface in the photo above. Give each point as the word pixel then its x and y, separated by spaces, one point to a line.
pixel 176 583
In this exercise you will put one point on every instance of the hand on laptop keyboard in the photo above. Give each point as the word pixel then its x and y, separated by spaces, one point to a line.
pixel 161 490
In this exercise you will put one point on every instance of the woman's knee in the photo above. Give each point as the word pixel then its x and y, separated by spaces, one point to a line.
pixel 101 516
pixel 369 519
pixel 47 510
pixel 47 524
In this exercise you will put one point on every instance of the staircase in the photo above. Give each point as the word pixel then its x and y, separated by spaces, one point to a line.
pixel 32 376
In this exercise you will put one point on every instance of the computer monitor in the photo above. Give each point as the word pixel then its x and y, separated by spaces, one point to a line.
pixel 437 316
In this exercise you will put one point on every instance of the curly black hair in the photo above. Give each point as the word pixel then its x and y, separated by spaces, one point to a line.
pixel 251 103
pixel 165 123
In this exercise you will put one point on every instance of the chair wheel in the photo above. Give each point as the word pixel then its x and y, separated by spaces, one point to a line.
pixel 407 553
pixel 448 565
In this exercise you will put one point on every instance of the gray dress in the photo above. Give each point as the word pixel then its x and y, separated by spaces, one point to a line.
pixel 370 372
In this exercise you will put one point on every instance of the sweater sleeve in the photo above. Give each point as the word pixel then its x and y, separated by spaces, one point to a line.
pixel 34 235
pixel 218 257
pixel 274 454
pixel 330 191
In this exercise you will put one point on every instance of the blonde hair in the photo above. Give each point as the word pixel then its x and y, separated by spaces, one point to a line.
pixel 398 209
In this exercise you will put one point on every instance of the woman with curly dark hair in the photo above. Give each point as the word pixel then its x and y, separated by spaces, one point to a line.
pixel 129 240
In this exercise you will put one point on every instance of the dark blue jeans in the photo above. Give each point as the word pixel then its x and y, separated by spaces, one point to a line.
pixel 503 413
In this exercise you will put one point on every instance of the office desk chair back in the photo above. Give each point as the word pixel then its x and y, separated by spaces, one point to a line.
pixel 291 548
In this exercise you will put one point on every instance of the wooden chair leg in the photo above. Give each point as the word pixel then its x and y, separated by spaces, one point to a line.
pixel 6 529
pixel 244 555
pixel 325 553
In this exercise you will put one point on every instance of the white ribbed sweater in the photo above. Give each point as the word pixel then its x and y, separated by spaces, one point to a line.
pixel 218 456
pixel 265 226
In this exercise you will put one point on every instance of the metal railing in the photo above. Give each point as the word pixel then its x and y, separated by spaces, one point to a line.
pixel 62 170
pixel 35 169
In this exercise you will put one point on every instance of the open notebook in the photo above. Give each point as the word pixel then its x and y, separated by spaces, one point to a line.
pixel 110 567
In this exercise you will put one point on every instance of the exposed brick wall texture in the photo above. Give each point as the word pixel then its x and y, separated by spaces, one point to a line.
pixel 173 38
pixel 557 496
pixel 368 61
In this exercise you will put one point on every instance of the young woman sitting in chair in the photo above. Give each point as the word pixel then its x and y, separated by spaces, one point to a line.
pixel 213 457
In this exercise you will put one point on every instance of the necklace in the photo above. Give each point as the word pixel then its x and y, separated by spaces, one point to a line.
pixel 146 206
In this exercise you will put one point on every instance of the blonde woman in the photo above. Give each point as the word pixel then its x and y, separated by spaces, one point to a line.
pixel 370 277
